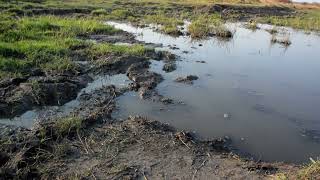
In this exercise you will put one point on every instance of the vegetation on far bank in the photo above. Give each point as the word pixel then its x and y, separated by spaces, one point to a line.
pixel 305 20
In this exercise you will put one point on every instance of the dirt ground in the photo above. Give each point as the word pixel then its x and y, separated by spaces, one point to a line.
pixel 136 148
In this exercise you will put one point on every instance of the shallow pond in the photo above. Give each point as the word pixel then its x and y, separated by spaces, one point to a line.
pixel 262 95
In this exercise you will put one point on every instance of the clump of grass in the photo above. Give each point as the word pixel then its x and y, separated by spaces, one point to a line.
pixel 98 50
pixel 171 30
pixel 208 25
pixel 99 12
pixel 311 171
pixel 253 25
pixel 120 14
pixel 169 25
pixel 60 65
pixel 283 41
pixel 64 126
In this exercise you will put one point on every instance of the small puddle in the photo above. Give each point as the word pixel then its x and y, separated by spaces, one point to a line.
pixel 30 117
pixel 262 95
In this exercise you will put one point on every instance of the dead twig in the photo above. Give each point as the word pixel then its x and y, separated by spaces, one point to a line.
pixel 84 146
pixel 184 143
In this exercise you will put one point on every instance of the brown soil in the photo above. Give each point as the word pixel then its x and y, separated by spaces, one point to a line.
pixel 133 149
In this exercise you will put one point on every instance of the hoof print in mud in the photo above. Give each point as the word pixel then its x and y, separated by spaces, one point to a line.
pixel 187 80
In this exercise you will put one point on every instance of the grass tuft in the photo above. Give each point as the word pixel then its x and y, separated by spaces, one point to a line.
pixel 208 25
pixel 98 50
pixel 169 25
pixel 311 171
pixel 64 126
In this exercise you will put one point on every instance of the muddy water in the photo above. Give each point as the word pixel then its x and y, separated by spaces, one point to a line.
pixel 264 96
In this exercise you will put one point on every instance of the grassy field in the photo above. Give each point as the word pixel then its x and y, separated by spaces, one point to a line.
pixel 48 42
pixel 306 20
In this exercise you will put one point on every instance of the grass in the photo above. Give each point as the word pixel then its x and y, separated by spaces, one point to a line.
pixel 311 171
pixel 253 25
pixel 206 25
pixel 64 126
pixel 306 20
pixel 47 42
pixel 43 42
pixel 169 24
pixel 98 50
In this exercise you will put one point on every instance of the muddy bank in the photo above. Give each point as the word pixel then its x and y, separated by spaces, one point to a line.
pixel 23 151
pixel 21 94
pixel 135 148
pixel 41 88
pixel 122 37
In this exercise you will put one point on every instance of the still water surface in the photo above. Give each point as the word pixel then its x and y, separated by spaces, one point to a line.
pixel 271 94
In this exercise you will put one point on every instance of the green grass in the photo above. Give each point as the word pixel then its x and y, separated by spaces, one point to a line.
pixel 64 126
pixel 98 50
pixel 47 42
pixel 308 20
pixel 206 25
pixel 169 24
